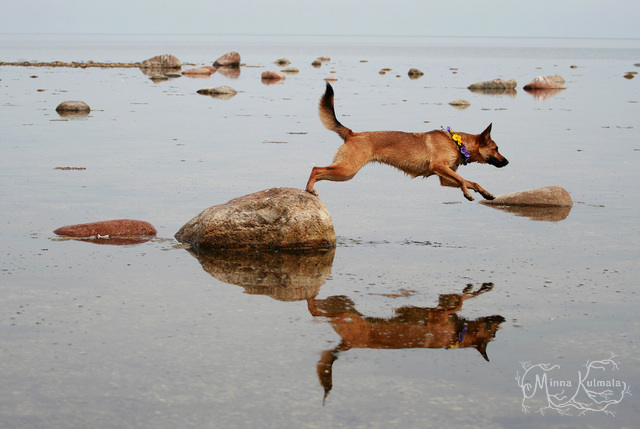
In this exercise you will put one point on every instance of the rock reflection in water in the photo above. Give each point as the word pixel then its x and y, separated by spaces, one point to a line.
pixel 159 74
pixel 229 72
pixel 283 275
pixel 412 327
pixel 543 94
pixel 495 91
pixel 546 214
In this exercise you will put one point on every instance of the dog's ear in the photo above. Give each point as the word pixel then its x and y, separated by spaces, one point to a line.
pixel 485 136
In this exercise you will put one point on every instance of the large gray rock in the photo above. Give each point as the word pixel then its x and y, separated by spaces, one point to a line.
pixel 278 218
pixel 550 196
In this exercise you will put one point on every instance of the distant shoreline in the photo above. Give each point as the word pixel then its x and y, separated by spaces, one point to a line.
pixel 73 64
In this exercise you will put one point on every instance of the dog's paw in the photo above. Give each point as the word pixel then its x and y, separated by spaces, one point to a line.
pixel 468 196
pixel 488 196
pixel 486 287
pixel 312 192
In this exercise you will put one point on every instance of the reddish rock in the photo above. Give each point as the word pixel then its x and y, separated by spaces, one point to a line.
pixel 109 228
pixel 231 59
pixel 205 70
pixel 271 76
pixel 549 82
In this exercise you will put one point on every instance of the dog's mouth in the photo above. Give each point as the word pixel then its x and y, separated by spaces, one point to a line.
pixel 496 162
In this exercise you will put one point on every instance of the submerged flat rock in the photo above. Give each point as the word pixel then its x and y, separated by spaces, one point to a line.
pixel 218 90
pixel 110 228
pixel 277 218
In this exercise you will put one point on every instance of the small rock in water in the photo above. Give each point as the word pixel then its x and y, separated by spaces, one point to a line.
pixel 460 103
pixel 282 62
pixel 73 106
pixel 218 92
pixel 496 84
pixel 415 73
pixel 162 61
pixel 550 196
pixel 291 70
pixel 73 109
pixel 231 59
pixel 271 76
pixel 549 82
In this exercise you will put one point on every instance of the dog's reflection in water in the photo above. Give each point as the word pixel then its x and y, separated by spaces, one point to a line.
pixel 411 327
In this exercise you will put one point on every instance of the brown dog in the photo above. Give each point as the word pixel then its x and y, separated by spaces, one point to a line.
pixel 417 154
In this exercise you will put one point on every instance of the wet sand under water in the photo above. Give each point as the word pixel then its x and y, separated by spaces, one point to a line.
pixel 426 312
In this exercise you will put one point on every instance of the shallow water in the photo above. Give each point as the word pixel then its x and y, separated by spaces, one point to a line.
pixel 149 336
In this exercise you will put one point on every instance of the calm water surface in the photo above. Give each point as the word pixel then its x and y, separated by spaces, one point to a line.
pixel 148 335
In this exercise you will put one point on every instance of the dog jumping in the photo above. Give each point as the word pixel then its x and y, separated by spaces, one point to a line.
pixel 416 154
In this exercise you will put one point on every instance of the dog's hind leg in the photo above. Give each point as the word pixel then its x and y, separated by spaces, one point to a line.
pixel 347 162
pixel 336 173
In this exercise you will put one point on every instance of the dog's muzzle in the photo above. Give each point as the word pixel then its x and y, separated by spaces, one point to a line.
pixel 496 162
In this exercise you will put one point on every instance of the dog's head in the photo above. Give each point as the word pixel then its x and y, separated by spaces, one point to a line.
pixel 488 149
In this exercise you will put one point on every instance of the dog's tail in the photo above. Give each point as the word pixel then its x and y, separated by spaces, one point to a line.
pixel 328 115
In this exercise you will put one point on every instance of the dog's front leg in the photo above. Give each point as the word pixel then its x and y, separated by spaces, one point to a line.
pixel 448 177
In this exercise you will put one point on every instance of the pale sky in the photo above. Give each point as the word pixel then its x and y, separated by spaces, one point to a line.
pixel 481 18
